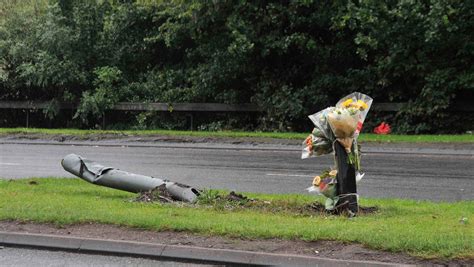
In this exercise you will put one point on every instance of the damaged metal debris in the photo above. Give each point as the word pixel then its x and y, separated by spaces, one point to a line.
pixel 95 173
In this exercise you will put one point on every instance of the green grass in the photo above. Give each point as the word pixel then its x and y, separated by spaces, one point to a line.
pixel 420 228
pixel 462 138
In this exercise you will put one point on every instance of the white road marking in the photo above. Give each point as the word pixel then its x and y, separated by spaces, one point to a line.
pixel 290 175
pixel 9 164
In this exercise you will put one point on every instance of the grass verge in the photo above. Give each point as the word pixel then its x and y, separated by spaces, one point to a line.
pixel 420 228
pixel 366 137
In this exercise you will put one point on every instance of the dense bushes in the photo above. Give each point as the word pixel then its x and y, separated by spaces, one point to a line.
pixel 290 57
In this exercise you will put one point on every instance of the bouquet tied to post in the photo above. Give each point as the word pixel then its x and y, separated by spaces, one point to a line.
pixel 342 124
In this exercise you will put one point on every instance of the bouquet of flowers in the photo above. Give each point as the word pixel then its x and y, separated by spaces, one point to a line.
pixel 321 139
pixel 346 122
pixel 360 102
pixel 325 184
pixel 316 146
pixel 342 124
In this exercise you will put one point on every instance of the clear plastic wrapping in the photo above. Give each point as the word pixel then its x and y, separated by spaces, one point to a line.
pixel 342 123
pixel 319 142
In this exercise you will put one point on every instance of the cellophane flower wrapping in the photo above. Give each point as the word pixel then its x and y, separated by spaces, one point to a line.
pixel 325 184
pixel 358 100
pixel 342 123
pixel 321 139
pixel 347 118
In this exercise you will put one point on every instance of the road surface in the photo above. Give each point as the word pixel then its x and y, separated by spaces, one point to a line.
pixel 422 176
pixel 18 257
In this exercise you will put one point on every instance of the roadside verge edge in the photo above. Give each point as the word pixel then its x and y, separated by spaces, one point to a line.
pixel 171 252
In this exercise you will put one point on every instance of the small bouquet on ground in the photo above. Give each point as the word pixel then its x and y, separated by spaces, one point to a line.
pixel 325 184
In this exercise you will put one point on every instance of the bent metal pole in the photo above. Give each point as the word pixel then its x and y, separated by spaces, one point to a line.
pixel 346 181
pixel 95 173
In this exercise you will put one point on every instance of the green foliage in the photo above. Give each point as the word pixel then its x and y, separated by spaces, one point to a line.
pixel 292 58
pixel 417 52
pixel 208 197
pixel 104 96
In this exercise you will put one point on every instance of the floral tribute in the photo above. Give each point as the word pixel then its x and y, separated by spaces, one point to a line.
pixel 383 128
pixel 342 124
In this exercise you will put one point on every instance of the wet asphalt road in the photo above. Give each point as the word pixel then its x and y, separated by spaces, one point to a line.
pixel 424 176
pixel 17 257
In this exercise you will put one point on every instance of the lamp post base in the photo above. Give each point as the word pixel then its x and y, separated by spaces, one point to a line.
pixel 346 183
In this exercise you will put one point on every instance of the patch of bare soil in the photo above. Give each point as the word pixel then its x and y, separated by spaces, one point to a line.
pixel 328 249
pixel 320 208
pixel 159 194
pixel 233 201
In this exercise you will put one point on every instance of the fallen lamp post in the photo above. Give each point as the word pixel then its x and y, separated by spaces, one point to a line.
pixel 98 174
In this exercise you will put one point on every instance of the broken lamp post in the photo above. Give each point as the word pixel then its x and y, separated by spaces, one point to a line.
pixel 95 173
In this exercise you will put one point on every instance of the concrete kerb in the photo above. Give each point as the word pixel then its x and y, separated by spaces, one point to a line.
pixel 171 252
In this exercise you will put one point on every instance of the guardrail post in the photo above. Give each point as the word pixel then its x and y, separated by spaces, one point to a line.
pixel 191 121
pixel 103 121
pixel 27 118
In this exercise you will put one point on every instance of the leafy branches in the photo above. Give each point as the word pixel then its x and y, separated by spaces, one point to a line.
pixel 289 57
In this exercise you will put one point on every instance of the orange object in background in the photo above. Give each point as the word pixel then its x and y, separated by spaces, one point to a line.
pixel 383 128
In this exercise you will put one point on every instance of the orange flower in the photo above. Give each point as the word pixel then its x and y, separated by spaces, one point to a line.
pixel 309 140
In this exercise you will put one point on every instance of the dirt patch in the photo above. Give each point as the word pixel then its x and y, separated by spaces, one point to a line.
pixel 235 201
pixel 159 194
pixel 321 209
pixel 328 249
pixel 232 196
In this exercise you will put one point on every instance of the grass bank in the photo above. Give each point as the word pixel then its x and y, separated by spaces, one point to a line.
pixel 421 228
pixel 366 137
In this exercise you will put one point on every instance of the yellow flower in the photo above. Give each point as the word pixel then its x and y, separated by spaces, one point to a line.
pixel 333 173
pixel 347 102
pixel 362 105
pixel 316 181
